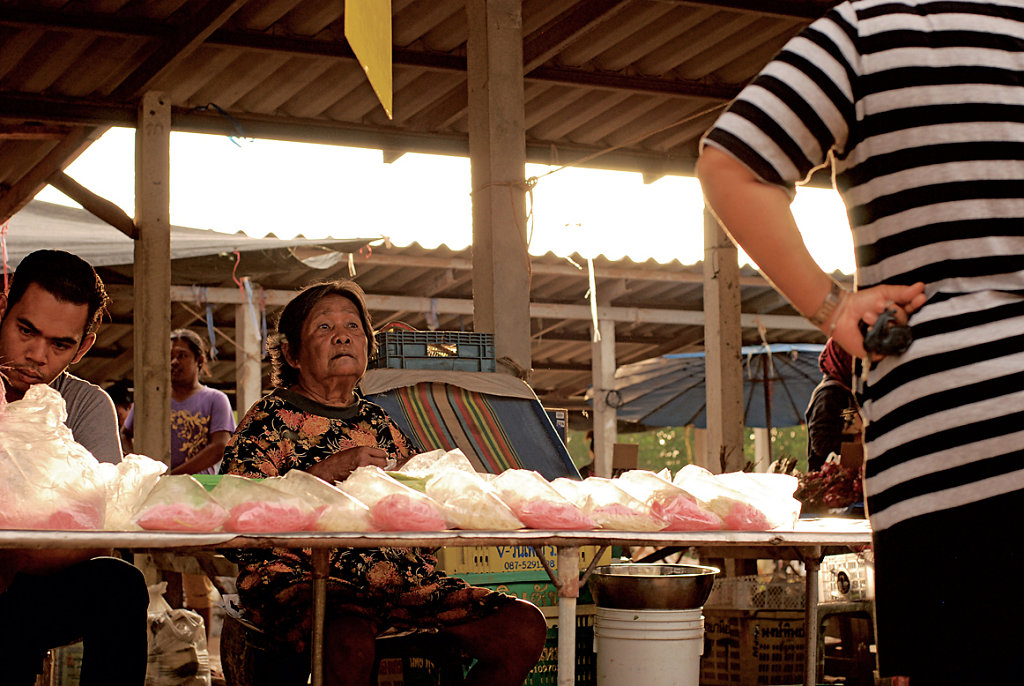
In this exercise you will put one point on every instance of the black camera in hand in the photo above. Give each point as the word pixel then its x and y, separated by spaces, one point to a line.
pixel 885 336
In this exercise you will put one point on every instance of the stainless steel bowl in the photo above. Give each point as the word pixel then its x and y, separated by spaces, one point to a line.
pixel 652 587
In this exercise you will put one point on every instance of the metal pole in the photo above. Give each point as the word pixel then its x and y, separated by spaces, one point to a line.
pixel 568 592
pixel 811 617
pixel 321 565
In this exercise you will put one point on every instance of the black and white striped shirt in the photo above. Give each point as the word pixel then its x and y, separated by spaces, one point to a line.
pixel 919 104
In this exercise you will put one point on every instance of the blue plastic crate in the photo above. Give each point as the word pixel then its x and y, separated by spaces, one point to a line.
pixel 457 351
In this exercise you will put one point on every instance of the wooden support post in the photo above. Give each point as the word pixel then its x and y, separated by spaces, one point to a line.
pixel 248 371
pixel 603 369
pixel 497 149
pixel 321 570
pixel 568 594
pixel 153 278
pixel 722 343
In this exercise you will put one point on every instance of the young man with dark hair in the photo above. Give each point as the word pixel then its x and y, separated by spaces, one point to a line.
pixel 50 316
pixel 49 598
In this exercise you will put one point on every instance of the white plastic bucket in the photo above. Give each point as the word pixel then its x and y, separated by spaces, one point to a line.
pixel 649 647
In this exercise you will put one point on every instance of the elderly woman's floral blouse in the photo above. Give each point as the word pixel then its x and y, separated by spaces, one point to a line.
pixel 392 586
pixel 285 431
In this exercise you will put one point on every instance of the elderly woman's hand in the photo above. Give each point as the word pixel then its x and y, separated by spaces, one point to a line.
pixel 338 466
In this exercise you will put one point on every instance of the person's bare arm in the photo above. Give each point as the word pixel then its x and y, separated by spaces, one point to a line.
pixel 207 457
pixel 758 218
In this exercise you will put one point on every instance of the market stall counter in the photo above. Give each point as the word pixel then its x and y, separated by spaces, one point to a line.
pixel 809 541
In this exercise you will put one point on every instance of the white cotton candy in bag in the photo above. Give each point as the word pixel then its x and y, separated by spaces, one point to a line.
pixel 426 465
pixel 470 502
pixel 133 478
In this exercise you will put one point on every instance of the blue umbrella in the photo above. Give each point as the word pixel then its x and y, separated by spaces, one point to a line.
pixel 670 390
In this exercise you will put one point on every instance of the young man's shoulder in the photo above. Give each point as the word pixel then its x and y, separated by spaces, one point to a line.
pixel 76 390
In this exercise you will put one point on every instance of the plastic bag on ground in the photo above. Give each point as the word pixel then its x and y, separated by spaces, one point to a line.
pixel 335 510
pixel 537 504
pixel 47 480
pixel 134 477
pixel 678 508
pixel 180 503
pixel 738 510
pixel 470 502
pixel 393 505
pixel 608 505
pixel 178 654
pixel 254 507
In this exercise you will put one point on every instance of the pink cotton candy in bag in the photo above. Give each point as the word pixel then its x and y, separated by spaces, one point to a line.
pixel 536 502
pixel 334 509
pixel 393 505
pixel 254 507
pixel 179 503
pixel 683 514
pixel 742 516
pixel 403 512
pixel 548 514
pixel 181 517
pixel 253 517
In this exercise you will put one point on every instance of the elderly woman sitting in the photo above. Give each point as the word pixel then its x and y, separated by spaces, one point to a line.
pixel 316 421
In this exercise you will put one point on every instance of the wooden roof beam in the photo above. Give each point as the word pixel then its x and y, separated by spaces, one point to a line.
pixel 97 205
pixel 60 156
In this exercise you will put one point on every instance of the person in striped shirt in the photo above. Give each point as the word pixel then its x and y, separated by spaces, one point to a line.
pixel 918 106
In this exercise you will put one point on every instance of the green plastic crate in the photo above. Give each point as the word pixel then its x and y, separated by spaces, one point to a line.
pixel 458 351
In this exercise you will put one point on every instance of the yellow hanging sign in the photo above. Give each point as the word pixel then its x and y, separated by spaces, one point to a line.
pixel 368 31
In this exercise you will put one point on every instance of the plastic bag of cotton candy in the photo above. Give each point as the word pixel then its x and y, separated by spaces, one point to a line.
pixel 393 505
pixel 469 501
pixel 537 504
pixel 47 480
pixel 609 505
pixel 333 509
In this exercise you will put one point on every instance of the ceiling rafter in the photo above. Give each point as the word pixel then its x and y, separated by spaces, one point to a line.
pixel 401 57
pixel 186 37
pixel 570 26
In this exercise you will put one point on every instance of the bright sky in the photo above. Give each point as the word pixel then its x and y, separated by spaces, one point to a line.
pixel 262 186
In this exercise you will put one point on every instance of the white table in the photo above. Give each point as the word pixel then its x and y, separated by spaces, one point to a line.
pixel 809 542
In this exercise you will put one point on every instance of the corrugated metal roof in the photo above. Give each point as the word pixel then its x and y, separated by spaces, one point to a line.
pixel 622 84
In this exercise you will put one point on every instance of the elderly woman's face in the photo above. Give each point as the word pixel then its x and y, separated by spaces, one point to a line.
pixel 334 343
